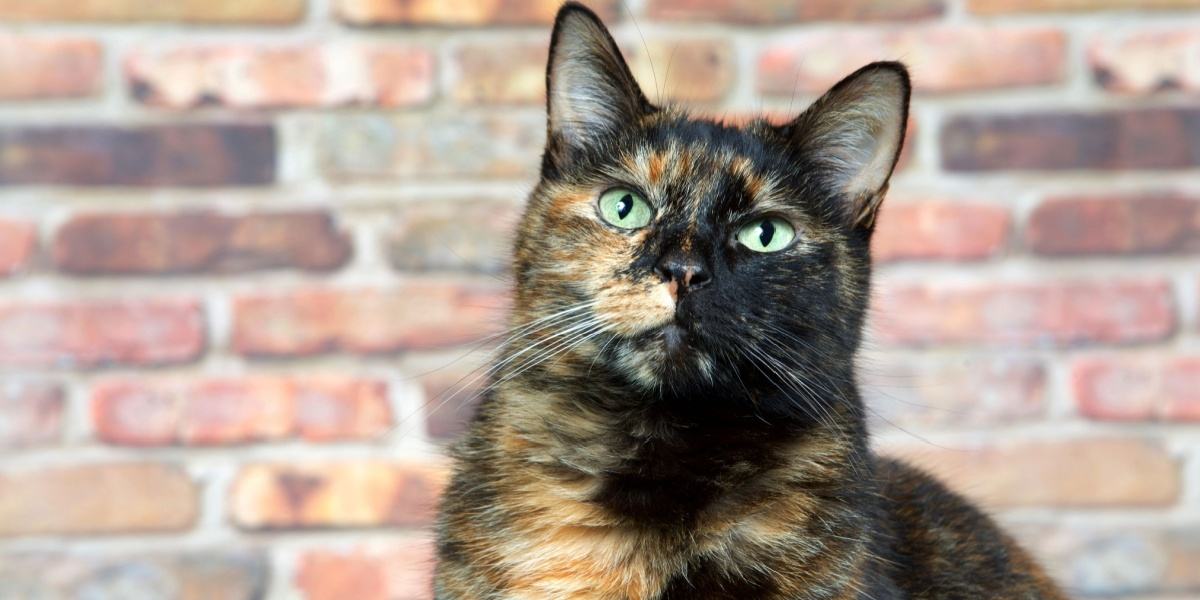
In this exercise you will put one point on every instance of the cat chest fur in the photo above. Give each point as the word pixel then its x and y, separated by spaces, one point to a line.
pixel 559 532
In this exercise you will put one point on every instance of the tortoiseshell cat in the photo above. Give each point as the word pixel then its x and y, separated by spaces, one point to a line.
pixel 676 414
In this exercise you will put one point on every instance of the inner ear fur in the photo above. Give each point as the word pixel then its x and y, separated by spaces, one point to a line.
pixel 854 133
pixel 590 91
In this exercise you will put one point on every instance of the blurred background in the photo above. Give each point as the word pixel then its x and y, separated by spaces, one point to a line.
pixel 247 246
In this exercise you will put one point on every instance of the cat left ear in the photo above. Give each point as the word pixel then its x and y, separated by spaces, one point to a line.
pixel 590 92
pixel 854 133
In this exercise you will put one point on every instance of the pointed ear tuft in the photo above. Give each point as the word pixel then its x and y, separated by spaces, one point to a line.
pixel 590 92
pixel 855 132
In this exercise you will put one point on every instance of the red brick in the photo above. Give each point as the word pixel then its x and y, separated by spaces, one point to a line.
pixel 229 411
pixel 186 11
pixel 1146 61
pixel 41 67
pixel 95 499
pixel 1068 473
pixel 199 242
pixel 771 12
pixel 967 391
pixel 416 316
pixel 942 59
pixel 472 236
pixel 245 76
pixel 472 13
pixel 1081 225
pixel 184 155
pixel 996 7
pixel 84 335
pixel 204 574
pixel 939 230
pixel 400 571
pixel 1132 389
pixel 18 242
pixel 1151 138
pixel 31 413
pixel 701 70
pixel 413 147
pixel 341 494
pixel 1058 314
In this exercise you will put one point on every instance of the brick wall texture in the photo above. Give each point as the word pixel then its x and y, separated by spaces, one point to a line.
pixel 248 249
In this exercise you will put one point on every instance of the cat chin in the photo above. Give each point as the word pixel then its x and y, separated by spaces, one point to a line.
pixel 664 358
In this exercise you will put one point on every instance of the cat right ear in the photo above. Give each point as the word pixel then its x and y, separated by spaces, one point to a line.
pixel 590 92
pixel 855 133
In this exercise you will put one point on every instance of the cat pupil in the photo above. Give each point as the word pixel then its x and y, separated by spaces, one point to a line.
pixel 625 206
pixel 766 231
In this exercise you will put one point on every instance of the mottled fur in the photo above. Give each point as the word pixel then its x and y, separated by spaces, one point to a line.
pixel 675 416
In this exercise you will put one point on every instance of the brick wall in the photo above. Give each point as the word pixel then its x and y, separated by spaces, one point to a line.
pixel 244 244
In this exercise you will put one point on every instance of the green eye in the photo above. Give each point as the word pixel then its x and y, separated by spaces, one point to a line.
pixel 766 235
pixel 626 209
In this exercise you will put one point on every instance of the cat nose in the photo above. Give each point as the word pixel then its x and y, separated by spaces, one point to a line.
pixel 686 272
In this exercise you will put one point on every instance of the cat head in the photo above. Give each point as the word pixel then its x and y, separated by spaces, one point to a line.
pixel 676 252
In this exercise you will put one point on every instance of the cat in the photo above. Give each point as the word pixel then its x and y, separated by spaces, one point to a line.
pixel 675 415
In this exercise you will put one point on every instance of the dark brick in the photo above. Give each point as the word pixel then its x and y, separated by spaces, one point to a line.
pixel 1114 140
pixel 164 155
pixel 106 244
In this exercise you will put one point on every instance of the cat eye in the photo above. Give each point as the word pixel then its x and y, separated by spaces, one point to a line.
pixel 625 208
pixel 770 234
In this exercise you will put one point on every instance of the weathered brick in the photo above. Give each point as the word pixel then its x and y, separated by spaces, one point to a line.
pixel 1131 389
pixel 472 13
pixel 942 59
pixel 42 67
pixel 1081 225
pixel 1063 313
pixel 199 242
pixel 1068 473
pixel 1151 138
pixel 229 411
pixel 771 12
pixel 215 574
pixel 18 242
pixel 244 76
pixel 31 412
pixel 939 230
pixel 417 147
pixel 995 7
pixel 336 494
pixel 1107 561
pixel 701 70
pixel 453 235
pixel 512 73
pixel 685 70
pixel 963 392
pixel 399 571
pixel 184 155
pixel 95 499
pixel 185 11
pixel 420 315
pixel 85 335
pixel 1146 61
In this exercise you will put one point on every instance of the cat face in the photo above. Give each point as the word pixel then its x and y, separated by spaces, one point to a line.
pixel 679 252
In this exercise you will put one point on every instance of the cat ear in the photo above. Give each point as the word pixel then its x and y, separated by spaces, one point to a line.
pixel 854 133
pixel 590 92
